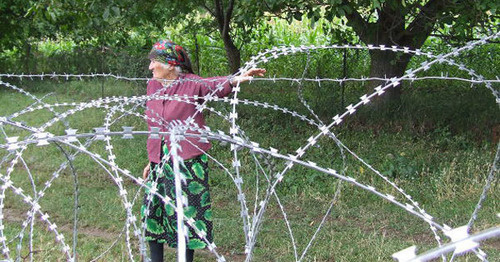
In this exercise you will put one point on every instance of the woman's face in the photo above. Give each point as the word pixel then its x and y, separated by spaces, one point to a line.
pixel 159 70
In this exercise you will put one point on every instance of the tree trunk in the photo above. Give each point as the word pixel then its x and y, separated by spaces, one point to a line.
pixel 387 64
pixel 223 18
pixel 393 28
pixel 27 55
pixel 232 53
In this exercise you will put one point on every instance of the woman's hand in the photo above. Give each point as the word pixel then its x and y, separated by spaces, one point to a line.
pixel 145 173
pixel 248 75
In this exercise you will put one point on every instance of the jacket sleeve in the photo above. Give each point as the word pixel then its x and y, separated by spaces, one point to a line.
pixel 220 84
pixel 153 106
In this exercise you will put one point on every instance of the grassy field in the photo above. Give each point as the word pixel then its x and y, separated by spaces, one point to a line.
pixel 432 147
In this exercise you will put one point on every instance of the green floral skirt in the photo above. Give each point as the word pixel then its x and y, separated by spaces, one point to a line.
pixel 161 220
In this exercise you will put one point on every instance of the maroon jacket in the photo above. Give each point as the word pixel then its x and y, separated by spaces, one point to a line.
pixel 169 110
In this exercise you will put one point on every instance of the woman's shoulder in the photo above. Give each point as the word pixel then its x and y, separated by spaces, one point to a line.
pixel 189 80
pixel 154 83
pixel 190 76
pixel 198 79
pixel 153 86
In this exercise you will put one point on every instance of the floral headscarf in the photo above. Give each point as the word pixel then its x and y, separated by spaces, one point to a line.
pixel 168 52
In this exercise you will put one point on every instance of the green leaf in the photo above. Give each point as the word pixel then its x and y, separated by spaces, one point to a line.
pixel 169 210
pixel 155 200
pixel 169 172
pixel 158 211
pixel 154 227
pixel 205 199
pixel 190 211
pixel 208 215
pixel 198 170
pixel 187 175
pixel 195 187
pixel 200 225
pixel 196 244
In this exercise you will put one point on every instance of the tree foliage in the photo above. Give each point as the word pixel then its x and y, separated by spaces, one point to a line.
pixel 396 22
pixel 234 21
pixel 110 23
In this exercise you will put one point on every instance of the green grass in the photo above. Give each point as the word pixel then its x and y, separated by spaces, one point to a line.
pixel 442 165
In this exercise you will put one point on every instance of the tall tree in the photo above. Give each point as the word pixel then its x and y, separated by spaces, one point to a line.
pixel 395 22
pixel 232 19
pixel 110 22
pixel 223 12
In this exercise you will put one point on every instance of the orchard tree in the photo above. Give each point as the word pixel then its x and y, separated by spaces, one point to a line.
pixel 396 22
pixel 108 23
pixel 232 19
pixel 223 12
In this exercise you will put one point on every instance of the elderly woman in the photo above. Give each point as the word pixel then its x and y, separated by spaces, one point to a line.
pixel 173 75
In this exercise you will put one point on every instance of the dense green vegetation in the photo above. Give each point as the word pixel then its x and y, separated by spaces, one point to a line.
pixel 120 29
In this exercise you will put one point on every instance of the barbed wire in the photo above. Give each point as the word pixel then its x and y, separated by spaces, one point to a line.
pixel 118 107
pixel 266 79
